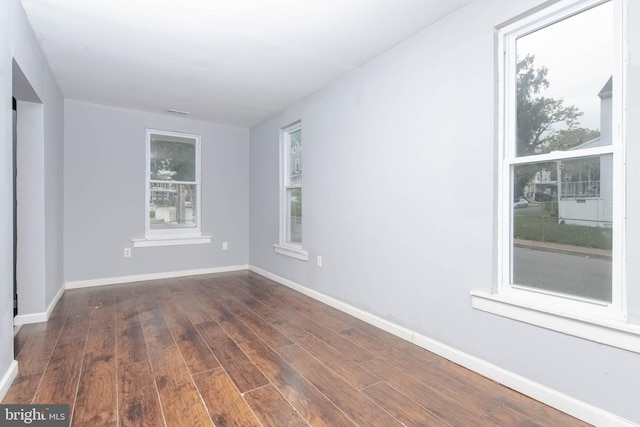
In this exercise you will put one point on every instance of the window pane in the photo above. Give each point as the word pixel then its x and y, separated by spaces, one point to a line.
pixel 564 84
pixel 294 215
pixel 172 205
pixel 172 158
pixel 562 233
pixel 295 158
pixel 581 178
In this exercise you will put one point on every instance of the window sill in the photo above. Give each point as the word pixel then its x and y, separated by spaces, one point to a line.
pixel 292 251
pixel 170 241
pixel 618 334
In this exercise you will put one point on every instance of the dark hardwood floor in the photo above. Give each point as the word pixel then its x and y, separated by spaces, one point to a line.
pixel 237 349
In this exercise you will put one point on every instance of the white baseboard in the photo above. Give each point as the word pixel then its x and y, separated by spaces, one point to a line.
pixel 574 407
pixel 25 319
pixel 7 379
pixel 54 301
pixel 152 276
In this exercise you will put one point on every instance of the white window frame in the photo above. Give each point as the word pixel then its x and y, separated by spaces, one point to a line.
pixel 597 321
pixel 285 246
pixel 174 235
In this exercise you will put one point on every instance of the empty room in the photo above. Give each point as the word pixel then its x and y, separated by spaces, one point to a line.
pixel 320 213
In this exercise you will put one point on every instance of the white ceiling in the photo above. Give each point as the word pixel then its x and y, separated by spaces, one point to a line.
pixel 227 61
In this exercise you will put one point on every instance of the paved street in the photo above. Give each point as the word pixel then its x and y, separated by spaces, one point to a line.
pixel 568 274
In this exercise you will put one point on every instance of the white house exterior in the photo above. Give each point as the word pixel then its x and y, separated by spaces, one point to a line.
pixel 589 201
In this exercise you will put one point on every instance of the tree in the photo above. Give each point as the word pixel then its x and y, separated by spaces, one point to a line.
pixel 543 124
pixel 539 118
pixel 172 160
pixel 566 139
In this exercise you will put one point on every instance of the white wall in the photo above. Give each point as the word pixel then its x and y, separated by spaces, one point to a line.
pixel 42 130
pixel 104 198
pixel 399 184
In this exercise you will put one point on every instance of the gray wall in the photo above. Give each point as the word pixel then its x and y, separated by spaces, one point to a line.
pixel 104 200
pixel 6 191
pixel 633 165
pixel 40 165
pixel 45 146
pixel 53 196
pixel 399 179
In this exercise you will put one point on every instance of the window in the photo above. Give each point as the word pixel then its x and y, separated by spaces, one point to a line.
pixel 561 190
pixel 291 193
pixel 173 184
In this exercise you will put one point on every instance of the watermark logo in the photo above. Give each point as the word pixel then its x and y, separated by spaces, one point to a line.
pixel 34 415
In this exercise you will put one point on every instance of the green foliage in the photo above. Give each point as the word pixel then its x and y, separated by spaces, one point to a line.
pixel 565 139
pixel 172 160
pixel 538 117
pixel 533 226
pixel 543 124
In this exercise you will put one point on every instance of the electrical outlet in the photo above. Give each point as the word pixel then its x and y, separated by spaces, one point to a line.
pixel 319 261
pixel 127 252
pixel 225 246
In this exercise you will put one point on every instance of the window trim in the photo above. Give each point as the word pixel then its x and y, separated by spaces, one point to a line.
pixel 171 241
pixel 601 322
pixel 285 246
pixel 171 234
pixel 614 332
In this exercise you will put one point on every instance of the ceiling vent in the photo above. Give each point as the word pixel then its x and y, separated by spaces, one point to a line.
pixel 171 110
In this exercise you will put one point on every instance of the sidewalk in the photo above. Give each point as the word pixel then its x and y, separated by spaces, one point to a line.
pixel 604 254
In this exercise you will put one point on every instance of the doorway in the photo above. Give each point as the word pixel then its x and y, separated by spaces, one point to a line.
pixel 28 201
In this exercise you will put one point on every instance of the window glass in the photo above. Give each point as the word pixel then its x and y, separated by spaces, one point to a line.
pixel 172 183
pixel 291 211
pixel 295 158
pixel 172 205
pixel 172 158
pixel 294 215
pixel 561 221
pixel 562 227
pixel 564 84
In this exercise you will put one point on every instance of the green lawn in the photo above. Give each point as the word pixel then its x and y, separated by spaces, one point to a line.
pixel 539 225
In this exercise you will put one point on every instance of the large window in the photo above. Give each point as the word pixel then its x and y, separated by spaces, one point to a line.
pixel 561 196
pixel 291 193
pixel 560 157
pixel 173 184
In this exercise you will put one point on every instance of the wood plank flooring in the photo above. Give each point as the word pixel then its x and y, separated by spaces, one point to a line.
pixel 237 349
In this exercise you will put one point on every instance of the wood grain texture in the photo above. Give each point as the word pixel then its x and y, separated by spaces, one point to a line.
pixel 138 401
pixel 131 346
pixel 237 349
pixel 22 389
pixel 449 408
pixel 59 382
pixel 225 404
pixel 353 403
pixel 179 397
pixel 194 350
pixel 244 374
pixel 272 409
pixel 96 402
pixel 312 405
pixel 401 407
pixel 353 373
